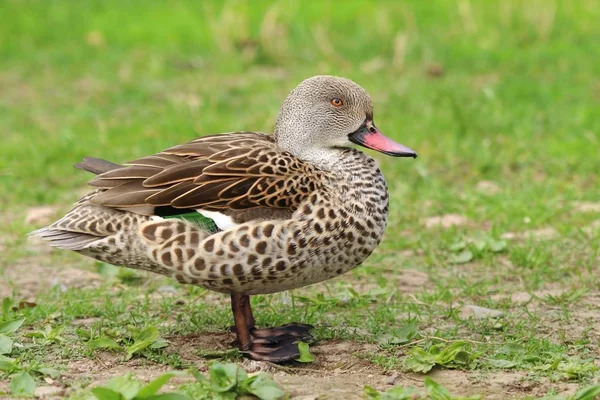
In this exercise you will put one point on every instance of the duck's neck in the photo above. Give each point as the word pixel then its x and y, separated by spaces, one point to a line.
pixel 322 158
pixel 301 145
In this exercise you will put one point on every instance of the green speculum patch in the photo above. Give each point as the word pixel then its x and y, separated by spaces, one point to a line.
pixel 198 219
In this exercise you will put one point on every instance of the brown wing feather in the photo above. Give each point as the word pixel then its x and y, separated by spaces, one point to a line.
pixel 164 197
pixel 177 173
pixel 130 194
pixel 161 160
pixel 235 171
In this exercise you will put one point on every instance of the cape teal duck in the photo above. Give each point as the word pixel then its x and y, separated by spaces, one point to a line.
pixel 246 213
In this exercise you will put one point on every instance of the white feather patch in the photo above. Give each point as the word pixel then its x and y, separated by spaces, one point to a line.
pixel 156 218
pixel 222 221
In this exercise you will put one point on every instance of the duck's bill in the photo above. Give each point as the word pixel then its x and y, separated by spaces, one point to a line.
pixel 369 136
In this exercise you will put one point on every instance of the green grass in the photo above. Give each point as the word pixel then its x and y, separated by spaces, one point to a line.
pixel 505 92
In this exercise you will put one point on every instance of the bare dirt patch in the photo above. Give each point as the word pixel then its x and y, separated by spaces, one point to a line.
pixel 28 276
pixel 445 221
pixel 541 234
pixel 586 206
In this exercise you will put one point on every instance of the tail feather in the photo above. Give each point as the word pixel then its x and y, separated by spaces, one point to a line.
pixel 96 165
pixel 66 240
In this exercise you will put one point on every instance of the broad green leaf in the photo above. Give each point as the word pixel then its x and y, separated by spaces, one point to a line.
pixel 480 245
pixel 401 336
pixel 142 341
pixel 53 334
pixel 6 344
pixel 83 333
pixel 371 393
pixel 588 393
pixel 402 393
pixel 6 306
pixel 154 386
pixel 438 392
pixel 263 387
pixel 455 352
pixel 305 356
pixel 418 360
pixel 197 375
pixel 159 343
pixel 22 384
pixel 7 364
pixel 223 377
pixel 462 258
pixel 497 245
pixel 435 390
pixel 149 334
pixel 51 372
pixel 103 393
pixel 126 385
pixel 241 376
pixel 457 246
pixel 103 343
pixel 11 326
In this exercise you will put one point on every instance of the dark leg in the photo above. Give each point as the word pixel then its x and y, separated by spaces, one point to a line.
pixel 248 314
pixel 238 305
pixel 269 344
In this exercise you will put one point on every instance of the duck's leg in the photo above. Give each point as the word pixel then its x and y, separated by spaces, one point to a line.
pixel 250 321
pixel 239 303
pixel 269 344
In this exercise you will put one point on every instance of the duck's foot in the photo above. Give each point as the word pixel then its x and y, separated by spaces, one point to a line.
pixel 278 344
pixel 286 349
pixel 297 331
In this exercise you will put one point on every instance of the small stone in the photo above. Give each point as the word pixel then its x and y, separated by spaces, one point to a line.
pixel 391 380
pixel 477 312
pixel 253 367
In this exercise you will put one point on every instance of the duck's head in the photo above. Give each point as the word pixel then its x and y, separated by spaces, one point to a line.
pixel 326 112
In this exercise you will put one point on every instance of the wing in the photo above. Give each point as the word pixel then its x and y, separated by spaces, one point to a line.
pixel 233 172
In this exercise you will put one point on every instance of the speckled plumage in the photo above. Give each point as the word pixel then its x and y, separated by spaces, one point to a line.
pixel 332 230
pixel 301 206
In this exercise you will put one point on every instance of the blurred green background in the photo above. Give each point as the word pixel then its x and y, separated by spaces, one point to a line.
pixel 499 90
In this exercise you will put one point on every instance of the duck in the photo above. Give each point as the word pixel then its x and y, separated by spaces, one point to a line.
pixel 246 213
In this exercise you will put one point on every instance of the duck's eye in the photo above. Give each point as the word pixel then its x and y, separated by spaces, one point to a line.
pixel 336 102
